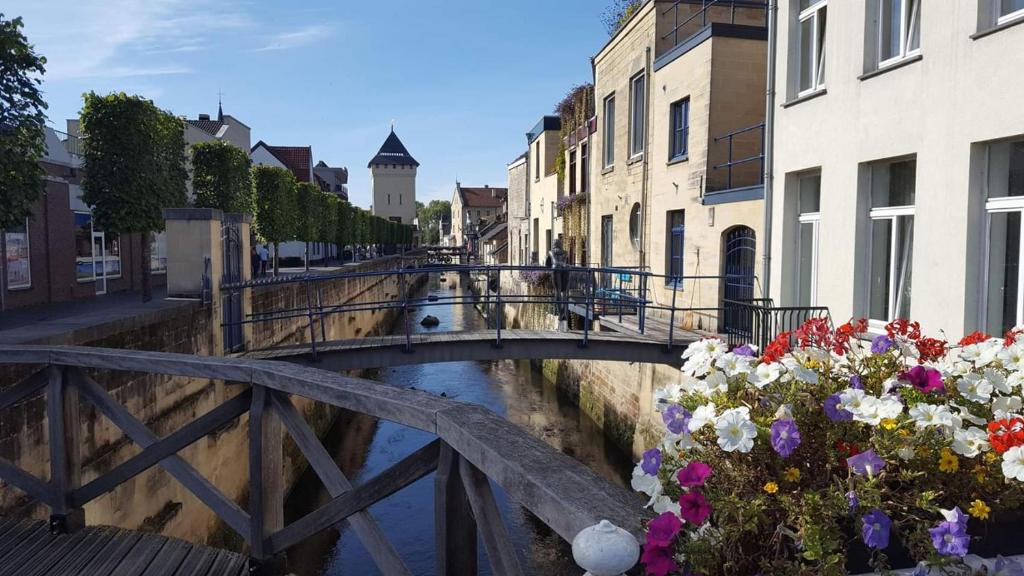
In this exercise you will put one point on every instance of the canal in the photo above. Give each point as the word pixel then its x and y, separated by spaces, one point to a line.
pixel 363 447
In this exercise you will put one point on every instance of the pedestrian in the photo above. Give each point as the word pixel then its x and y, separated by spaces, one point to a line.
pixel 264 258
pixel 254 260
pixel 556 260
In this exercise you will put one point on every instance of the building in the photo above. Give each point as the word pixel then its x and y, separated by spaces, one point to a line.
pixel 472 210
pixel 677 182
pixel 518 211
pixel 899 154
pixel 225 128
pixel 393 181
pixel 331 179
pixel 299 161
pixel 573 207
pixel 543 144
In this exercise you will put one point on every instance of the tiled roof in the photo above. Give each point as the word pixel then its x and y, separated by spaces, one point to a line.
pixel 298 159
pixel 211 127
pixel 483 197
pixel 393 152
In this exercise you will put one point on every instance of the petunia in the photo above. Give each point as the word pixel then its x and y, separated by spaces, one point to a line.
pixel 835 411
pixel 970 442
pixel 662 531
pixel 1013 463
pixel 785 437
pixel 702 416
pixel 855 382
pixel 875 529
pixel 950 539
pixel 694 474
pixel 658 561
pixel 926 380
pixel 866 462
pixel 745 350
pixel 735 431
pixel 925 415
pixel 881 344
pixel 852 501
pixel 676 418
pixel 651 461
pixel 694 508
pixel 975 388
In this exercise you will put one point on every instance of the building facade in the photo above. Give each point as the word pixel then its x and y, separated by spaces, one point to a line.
pixel 334 180
pixel 473 209
pixel 899 161
pixel 518 210
pixel 393 181
pixel 543 145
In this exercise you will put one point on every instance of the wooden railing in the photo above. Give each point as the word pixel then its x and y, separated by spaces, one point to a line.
pixel 472 445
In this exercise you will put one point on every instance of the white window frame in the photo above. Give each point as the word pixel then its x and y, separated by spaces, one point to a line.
pixel 28 245
pixel 814 219
pixel 910 11
pixel 1001 205
pixel 120 261
pixel 1004 18
pixel 893 213
pixel 817 47
pixel 634 117
pixel 608 148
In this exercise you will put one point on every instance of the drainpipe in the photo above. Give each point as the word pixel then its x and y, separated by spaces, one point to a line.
pixel 769 147
pixel 647 155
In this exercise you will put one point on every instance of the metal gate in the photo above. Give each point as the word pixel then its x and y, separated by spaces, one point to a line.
pixel 231 299
pixel 740 257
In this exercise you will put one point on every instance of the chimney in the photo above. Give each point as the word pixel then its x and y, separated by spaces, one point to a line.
pixel 204 116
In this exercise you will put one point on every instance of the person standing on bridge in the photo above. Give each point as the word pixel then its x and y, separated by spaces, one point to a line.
pixel 560 276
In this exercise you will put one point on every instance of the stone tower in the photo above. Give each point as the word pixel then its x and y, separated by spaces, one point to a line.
pixel 393 181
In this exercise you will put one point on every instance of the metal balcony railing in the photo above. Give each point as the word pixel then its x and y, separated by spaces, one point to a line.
pixel 712 11
pixel 733 162
pixel 73 144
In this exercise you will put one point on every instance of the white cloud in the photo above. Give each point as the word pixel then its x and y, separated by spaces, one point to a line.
pixel 301 37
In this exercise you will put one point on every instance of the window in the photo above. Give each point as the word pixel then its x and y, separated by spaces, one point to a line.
pixel 812 45
pixel 572 172
pixel 536 161
pixel 899 30
pixel 389 199
pixel 584 167
pixel 18 257
pixel 399 199
pixel 1004 207
pixel 637 116
pixel 97 254
pixel 892 239
pixel 679 147
pixel 675 228
pixel 1009 10
pixel 809 210
pixel 158 253
pixel 634 225
pixel 609 131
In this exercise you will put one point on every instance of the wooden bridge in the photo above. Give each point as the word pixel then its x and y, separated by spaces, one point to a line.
pixel 473 447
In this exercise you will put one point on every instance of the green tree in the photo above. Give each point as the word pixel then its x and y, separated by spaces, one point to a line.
pixel 134 167
pixel 343 227
pixel 222 178
pixel 276 206
pixel 618 13
pixel 307 223
pixel 328 221
pixel 430 217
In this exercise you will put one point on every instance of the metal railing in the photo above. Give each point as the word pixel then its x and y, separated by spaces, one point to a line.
pixel 73 144
pixel 758 321
pixel 707 15
pixel 732 162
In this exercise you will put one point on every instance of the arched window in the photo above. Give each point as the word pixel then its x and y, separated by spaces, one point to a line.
pixel 634 225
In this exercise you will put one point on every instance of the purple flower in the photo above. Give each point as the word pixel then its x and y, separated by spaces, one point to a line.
pixel 694 508
pixel 881 344
pixel 875 529
pixel 852 501
pixel 662 530
pixel 834 412
pixel 1007 567
pixel 676 418
pixel 651 462
pixel 658 561
pixel 744 350
pixel 785 437
pixel 950 539
pixel 865 463
pixel 694 474
pixel 855 382
pixel 926 380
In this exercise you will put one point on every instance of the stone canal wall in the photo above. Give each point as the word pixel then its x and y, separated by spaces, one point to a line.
pixel 154 501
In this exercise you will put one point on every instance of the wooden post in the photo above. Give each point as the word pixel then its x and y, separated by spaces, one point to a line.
pixel 62 414
pixel 266 482
pixel 454 525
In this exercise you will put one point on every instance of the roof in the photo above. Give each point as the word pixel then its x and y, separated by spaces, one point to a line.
pixel 393 152
pixel 546 123
pixel 298 159
pixel 211 127
pixel 493 230
pixel 485 197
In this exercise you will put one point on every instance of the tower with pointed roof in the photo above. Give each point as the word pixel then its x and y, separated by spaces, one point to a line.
pixel 393 181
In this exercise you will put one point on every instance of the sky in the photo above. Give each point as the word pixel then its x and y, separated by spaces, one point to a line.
pixel 463 80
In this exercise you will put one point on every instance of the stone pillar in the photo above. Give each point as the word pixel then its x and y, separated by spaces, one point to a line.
pixel 195 261
pixel 244 224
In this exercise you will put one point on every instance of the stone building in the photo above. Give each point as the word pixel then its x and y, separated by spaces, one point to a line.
pixel 899 161
pixel 393 181
pixel 543 143
pixel 473 209
pixel 677 177
pixel 519 211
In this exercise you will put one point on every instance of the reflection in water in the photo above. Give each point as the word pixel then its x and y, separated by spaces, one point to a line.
pixel 364 447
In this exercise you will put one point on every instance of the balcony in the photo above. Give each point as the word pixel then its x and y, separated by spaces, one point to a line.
pixel 741 176
pixel 683 24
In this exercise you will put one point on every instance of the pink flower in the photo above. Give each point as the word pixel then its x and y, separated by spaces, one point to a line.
pixel 663 530
pixel 657 561
pixel 694 508
pixel 927 380
pixel 695 474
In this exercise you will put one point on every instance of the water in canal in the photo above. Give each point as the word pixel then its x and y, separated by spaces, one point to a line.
pixel 364 447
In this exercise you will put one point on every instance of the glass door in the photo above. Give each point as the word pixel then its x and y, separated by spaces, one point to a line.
pixel 99 261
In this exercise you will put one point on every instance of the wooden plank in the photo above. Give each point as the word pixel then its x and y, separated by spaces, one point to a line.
pixel 169 558
pixel 138 559
pixel 111 555
pixel 197 563
pixel 454 525
pixel 25 389
pixel 16 537
pixel 165 447
pixel 205 491
pixel 400 475
pixel 96 540
pixel 366 528
pixel 496 539
pixel 43 562
pixel 17 560
pixel 224 564
pixel 28 483
pixel 236 565
pixel 266 473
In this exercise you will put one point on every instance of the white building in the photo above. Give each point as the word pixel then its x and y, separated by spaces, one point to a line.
pixel 899 161
pixel 393 181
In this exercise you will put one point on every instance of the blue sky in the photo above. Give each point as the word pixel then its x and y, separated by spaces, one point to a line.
pixel 463 79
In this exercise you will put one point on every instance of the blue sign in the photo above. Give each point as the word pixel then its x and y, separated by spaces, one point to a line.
pixel 625 277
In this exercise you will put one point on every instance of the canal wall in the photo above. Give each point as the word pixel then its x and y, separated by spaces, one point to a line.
pixel 154 501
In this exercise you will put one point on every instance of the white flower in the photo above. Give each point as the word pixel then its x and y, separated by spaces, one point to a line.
pixel 966 414
pixel 765 374
pixel 925 415
pixel 698 366
pixel 906 453
pixel 785 412
pixel 800 372
pixel 864 407
pixel 664 504
pixel 734 364
pixel 714 383
pixel 983 353
pixel 1013 463
pixel 975 388
pixel 670 394
pixel 889 407
pixel 1012 357
pixel 735 430
pixel 1005 406
pixel 970 442
pixel 998 381
pixel 645 483
pixel 889 384
pixel 702 416
pixel 1015 380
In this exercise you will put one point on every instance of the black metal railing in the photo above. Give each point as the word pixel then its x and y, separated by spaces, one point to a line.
pixel 730 11
pixel 733 162
pixel 758 321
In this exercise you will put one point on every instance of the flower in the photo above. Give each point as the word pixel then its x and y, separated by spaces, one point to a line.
pixel 865 463
pixel 1006 434
pixel 855 382
pixel 676 418
pixel 658 561
pixel 771 487
pixel 948 462
pixel 835 411
pixel 926 380
pixel 881 344
pixel 875 529
pixel 925 415
pixel 975 388
pixel 785 437
pixel 890 423
pixel 694 474
pixel 662 531
pixel 745 350
pixel 702 416
pixel 694 508
pixel 970 442
pixel 663 504
pixel 735 430
pixel 651 461
pixel 765 374
pixel 643 482
pixel 979 510
pixel 852 501
pixel 1013 463
pixel 791 474
pixel 950 539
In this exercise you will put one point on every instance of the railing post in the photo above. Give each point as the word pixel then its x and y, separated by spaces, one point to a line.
pixel 405 310
pixel 643 301
pixel 455 532
pixel 64 425
pixel 729 173
pixel 588 300
pixel 499 310
pixel 320 311
pixel 309 313
pixel 266 482
pixel 620 298
pixel 676 280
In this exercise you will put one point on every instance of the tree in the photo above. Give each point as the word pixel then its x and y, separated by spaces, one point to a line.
pixel 134 167
pixel 307 223
pixel 431 217
pixel 275 206
pixel 618 13
pixel 328 220
pixel 222 178
pixel 344 228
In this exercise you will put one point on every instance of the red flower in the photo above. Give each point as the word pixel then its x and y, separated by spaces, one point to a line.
pixel 974 338
pixel 930 349
pixel 1006 434
pixel 777 349
pixel 1011 336
pixel 846 448
pixel 905 328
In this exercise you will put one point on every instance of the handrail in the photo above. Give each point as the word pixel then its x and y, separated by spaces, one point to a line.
pixel 731 162
pixel 705 5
